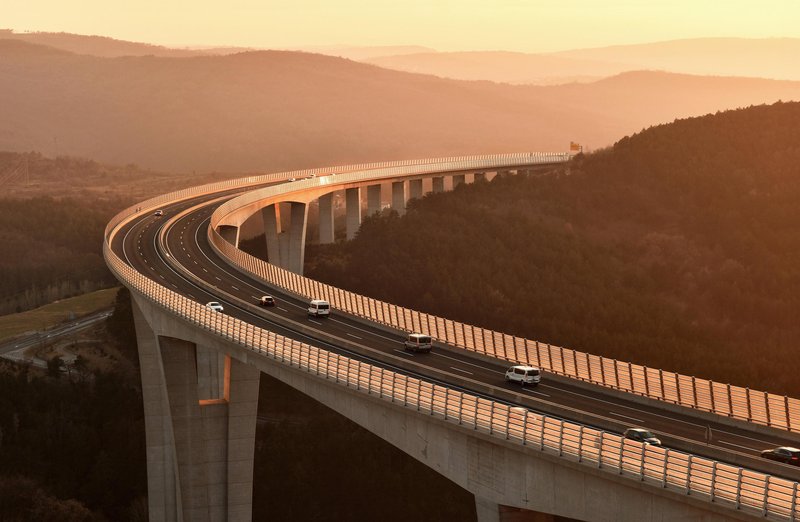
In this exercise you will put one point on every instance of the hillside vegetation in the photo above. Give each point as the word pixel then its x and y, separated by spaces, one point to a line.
pixel 678 248
pixel 275 110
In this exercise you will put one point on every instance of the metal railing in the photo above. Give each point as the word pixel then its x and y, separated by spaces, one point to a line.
pixel 759 407
pixel 703 478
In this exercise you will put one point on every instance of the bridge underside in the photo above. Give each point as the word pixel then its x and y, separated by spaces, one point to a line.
pixel 200 397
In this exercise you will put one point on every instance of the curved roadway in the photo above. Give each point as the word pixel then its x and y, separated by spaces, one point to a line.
pixel 212 279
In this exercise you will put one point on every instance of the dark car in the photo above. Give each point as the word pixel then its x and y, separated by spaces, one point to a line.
pixel 784 454
pixel 642 435
pixel 266 300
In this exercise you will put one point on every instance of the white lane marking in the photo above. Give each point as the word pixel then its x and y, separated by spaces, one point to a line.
pixel 738 445
pixel 460 370
pixel 315 322
pixel 255 297
pixel 217 278
pixel 404 352
pixel 536 392
pixel 459 361
pixel 351 335
pixel 235 288
pixel 282 309
pixel 623 406
pixel 204 270
pixel 625 416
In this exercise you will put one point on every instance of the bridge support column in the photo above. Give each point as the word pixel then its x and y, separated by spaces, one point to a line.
pixel 230 234
pixel 458 179
pixel 373 199
pixel 487 510
pixel 415 189
pixel 353 202
pixel 285 231
pixel 199 451
pixel 503 173
pixel 437 184
pixel 399 197
pixel 326 234
pixel 480 176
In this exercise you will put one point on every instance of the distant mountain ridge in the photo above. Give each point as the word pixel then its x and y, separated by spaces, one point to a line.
pixel 274 110
pixel 772 58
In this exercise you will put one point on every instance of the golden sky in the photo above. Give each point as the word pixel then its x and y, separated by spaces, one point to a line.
pixel 448 25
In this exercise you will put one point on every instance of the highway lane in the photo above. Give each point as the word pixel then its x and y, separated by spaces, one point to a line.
pixel 187 243
pixel 46 336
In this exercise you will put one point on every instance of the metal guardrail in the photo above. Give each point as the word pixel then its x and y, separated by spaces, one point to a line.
pixel 716 482
pixel 759 407
pixel 703 478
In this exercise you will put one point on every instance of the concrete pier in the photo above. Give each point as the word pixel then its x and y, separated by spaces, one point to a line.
pixel 437 184
pixel 415 189
pixel 399 197
pixel 458 179
pixel 353 203
pixel 326 231
pixel 373 199
pixel 230 234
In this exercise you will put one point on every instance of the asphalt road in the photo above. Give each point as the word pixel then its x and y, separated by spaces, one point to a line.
pixel 20 343
pixel 186 244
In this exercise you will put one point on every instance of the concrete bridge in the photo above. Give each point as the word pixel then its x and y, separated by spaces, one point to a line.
pixel 518 451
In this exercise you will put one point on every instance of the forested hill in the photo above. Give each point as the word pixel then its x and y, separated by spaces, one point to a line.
pixel 679 248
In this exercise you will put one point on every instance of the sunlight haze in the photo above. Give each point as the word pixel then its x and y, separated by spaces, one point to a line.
pixel 512 25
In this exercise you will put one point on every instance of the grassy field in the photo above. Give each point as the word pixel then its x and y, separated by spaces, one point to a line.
pixel 54 313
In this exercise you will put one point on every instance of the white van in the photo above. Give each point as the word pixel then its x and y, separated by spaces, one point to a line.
pixel 319 308
pixel 524 375
pixel 418 342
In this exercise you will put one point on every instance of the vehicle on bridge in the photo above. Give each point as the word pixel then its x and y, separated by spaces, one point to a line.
pixel 266 300
pixel 418 342
pixel 214 305
pixel 158 213
pixel 642 435
pixel 785 454
pixel 524 375
pixel 319 308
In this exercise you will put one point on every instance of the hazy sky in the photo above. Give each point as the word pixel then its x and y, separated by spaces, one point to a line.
pixel 519 25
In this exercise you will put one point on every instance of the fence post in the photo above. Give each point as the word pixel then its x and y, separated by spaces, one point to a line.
pixel 621 454
pixel 641 466
pixel 694 391
pixel 788 417
pixel 580 444
pixel 602 370
pixel 616 373
pixel 689 475
pixel 749 405
pixel 730 402
pixel 525 427
pixel 561 438
pixel 739 489
pixel 600 451
pixel 630 375
pixel 765 509
pixel 714 479
pixel 711 394
pixel 666 467
pixel 491 418
pixel 766 407
pixel 793 512
pixel 647 381
pixel 541 434
pixel 461 409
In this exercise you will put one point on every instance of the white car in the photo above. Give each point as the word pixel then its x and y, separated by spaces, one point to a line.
pixel 319 308
pixel 214 305
pixel 158 213
pixel 524 375
pixel 418 342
